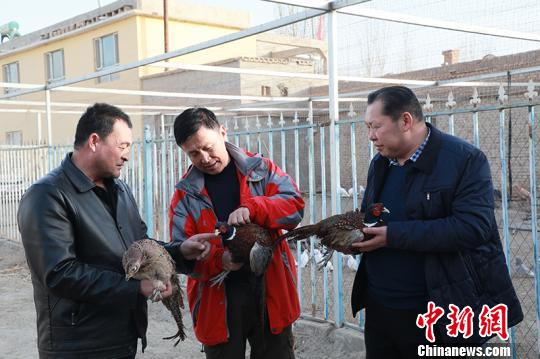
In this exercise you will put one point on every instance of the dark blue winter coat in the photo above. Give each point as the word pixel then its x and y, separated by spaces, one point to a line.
pixel 450 218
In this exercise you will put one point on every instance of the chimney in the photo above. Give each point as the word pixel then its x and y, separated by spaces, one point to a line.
pixel 450 57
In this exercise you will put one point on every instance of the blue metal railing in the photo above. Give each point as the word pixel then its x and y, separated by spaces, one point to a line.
pixel 156 164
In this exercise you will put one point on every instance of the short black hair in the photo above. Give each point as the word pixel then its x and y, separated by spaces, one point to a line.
pixel 396 100
pixel 99 118
pixel 188 123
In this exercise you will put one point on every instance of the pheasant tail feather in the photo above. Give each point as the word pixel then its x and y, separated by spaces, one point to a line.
pixel 174 304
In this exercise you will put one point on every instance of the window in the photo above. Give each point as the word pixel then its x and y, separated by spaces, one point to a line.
pixel 14 138
pixel 55 65
pixel 265 91
pixel 11 74
pixel 106 55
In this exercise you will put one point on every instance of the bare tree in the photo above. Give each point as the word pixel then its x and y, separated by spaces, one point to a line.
pixel 305 29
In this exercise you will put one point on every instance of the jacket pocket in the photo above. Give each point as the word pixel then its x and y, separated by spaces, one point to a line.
pixel 472 273
pixel 63 312
pixel 436 203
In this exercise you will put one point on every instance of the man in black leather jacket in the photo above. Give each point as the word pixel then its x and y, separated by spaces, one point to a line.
pixel 76 223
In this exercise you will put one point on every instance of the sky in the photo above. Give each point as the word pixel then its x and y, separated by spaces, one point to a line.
pixel 365 47
pixel 33 15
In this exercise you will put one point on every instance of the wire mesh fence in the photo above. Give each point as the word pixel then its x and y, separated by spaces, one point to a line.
pixel 271 91
pixel 299 143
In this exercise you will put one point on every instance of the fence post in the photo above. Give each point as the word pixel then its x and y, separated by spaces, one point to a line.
pixel 450 104
pixel 148 185
pixel 333 105
pixel 475 101
pixel 530 94
pixel 504 192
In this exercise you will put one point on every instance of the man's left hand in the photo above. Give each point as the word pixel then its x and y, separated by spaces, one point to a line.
pixel 378 241
pixel 197 246
pixel 239 217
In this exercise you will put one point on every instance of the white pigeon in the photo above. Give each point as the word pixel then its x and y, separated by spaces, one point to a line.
pixel 351 262
pixel 343 192
pixel 304 258
pixel 318 256
pixel 521 270
pixel 361 191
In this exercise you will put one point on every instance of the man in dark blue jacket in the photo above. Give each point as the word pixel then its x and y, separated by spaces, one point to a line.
pixel 441 242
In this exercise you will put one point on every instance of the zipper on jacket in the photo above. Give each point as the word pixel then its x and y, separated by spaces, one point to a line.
pixel 73 318
pixel 429 203
pixel 195 312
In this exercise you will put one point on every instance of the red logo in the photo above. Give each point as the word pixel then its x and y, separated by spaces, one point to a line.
pixel 494 321
pixel 460 321
pixel 429 319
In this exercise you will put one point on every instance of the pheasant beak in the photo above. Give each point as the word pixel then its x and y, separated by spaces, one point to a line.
pixel 128 277
pixel 386 210
pixel 217 232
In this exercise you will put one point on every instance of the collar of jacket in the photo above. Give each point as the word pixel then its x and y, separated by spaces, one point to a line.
pixel 424 163
pixel 80 181
pixel 249 166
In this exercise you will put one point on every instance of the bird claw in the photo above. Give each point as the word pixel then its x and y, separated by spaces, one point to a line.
pixel 156 295
pixel 219 279
pixel 327 255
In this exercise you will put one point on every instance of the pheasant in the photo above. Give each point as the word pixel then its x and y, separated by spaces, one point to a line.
pixel 250 244
pixel 338 232
pixel 147 259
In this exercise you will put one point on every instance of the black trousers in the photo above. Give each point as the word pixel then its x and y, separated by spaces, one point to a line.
pixel 392 333
pixel 244 324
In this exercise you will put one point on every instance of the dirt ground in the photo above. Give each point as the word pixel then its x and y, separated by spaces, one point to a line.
pixel 18 327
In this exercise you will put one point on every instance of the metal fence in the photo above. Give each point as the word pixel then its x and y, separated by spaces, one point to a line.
pixel 299 143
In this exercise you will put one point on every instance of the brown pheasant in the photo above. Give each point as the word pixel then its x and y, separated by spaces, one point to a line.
pixel 338 232
pixel 147 259
pixel 250 244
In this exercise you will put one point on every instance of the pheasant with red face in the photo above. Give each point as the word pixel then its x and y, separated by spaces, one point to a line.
pixel 340 231
pixel 250 244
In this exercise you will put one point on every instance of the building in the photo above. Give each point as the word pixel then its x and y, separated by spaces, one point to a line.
pixel 273 53
pixel 487 87
pixel 122 32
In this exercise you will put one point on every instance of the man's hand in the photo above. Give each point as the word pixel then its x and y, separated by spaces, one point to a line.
pixel 228 264
pixel 147 289
pixel 239 216
pixel 197 246
pixel 374 243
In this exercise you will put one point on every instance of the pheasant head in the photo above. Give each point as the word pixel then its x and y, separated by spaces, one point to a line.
pixel 374 213
pixel 133 259
pixel 226 231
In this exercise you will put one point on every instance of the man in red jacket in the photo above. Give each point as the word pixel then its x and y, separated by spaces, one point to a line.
pixel 227 183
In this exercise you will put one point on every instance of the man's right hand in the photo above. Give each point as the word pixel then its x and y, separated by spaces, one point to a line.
pixel 147 288
pixel 228 264
pixel 197 246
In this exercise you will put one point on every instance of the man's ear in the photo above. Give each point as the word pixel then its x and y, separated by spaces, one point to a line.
pixel 223 132
pixel 408 121
pixel 93 140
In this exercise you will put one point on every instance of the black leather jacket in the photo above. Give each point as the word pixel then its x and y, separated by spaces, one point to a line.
pixel 74 247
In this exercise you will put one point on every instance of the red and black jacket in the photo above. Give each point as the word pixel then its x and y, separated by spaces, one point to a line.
pixel 274 202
